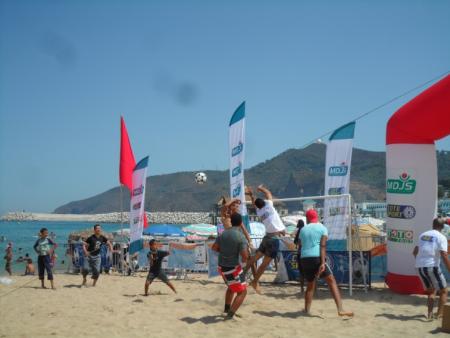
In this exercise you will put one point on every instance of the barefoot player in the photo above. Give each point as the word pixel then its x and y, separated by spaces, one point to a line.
pixel 155 258
pixel 313 244
pixel 270 244
pixel 230 245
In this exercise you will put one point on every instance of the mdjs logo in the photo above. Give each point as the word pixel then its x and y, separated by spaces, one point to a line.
pixel 238 149
pixel 237 170
pixel 404 185
pixel 340 170
pixel 237 191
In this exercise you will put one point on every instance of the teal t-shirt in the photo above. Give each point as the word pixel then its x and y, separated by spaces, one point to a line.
pixel 310 236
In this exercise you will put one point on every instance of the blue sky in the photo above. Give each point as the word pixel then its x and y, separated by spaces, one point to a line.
pixel 176 70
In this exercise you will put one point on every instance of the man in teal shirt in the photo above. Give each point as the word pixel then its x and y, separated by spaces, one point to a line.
pixel 313 243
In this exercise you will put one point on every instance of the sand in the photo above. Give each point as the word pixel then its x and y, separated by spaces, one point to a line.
pixel 116 307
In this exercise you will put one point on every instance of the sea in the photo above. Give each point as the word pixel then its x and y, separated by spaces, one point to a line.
pixel 23 235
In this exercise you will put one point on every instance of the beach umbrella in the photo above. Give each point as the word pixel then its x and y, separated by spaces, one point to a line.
pixel 201 229
pixel 164 230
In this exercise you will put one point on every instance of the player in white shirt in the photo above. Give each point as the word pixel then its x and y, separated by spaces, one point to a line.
pixel 431 248
pixel 274 227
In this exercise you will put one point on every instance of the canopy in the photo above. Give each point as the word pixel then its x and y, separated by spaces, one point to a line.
pixel 165 230
pixel 201 229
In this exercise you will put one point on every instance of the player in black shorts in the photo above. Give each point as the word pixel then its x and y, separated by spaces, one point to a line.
pixel 312 244
pixel 155 258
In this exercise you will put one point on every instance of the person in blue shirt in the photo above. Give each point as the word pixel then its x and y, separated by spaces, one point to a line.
pixel 44 247
pixel 312 245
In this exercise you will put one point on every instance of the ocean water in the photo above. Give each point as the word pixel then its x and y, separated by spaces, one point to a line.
pixel 23 235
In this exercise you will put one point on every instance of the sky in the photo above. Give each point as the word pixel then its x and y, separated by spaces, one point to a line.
pixel 177 70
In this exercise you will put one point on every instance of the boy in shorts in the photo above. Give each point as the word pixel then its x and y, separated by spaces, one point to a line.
pixel 155 258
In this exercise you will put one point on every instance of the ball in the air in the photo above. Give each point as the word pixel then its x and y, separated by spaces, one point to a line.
pixel 200 178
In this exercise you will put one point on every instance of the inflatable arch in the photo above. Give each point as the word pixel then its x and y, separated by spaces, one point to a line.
pixel 411 173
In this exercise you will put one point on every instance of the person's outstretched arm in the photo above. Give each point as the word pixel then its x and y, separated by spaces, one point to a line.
pixel 444 256
pixel 249 192
pixel 415 251
pixel 266 192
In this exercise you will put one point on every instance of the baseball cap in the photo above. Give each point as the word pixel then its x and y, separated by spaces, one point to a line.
pixel 311 216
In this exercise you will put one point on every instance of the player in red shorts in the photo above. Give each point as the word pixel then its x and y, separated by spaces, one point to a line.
pixel 230 245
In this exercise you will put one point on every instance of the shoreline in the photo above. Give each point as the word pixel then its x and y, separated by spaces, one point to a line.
pixel 113 217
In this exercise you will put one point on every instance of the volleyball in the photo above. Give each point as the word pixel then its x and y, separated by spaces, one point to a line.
pixel 200 178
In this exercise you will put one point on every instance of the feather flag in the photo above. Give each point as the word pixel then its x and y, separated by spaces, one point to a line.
pixel 127 161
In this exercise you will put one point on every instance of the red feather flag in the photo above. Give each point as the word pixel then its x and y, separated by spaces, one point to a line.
pixel 127 161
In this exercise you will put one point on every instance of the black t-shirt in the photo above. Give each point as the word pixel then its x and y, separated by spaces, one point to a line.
pixel 94 243
pixel 155 258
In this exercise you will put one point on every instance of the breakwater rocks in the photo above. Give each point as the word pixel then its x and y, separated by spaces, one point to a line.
pixel 113 217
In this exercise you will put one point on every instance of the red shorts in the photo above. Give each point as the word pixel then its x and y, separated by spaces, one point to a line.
pixel 234 278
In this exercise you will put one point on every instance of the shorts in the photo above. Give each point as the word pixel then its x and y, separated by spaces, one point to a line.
pixel 310 267
pixel 234 278
pixel 432 277
pixel 93 263
pixel 269 246
pixel 160 275
pixel 299 264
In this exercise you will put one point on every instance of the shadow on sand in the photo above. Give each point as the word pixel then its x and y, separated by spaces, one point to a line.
pixel 293 315
pixel 419 318
pixel 204 320
pixel 69 286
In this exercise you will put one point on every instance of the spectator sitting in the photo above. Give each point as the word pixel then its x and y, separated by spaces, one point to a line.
pixel 29 268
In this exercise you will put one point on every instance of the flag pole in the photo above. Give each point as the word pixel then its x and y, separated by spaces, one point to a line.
pixel 121 210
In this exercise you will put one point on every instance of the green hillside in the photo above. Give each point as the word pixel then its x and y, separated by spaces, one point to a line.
pixel 293 173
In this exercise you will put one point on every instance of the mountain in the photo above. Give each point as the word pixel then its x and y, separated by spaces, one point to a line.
pixel 293 173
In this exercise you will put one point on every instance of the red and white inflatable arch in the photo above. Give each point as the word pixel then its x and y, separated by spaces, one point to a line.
pixel 411 173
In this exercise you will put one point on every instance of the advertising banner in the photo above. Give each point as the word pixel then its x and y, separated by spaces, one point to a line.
pixel 337 181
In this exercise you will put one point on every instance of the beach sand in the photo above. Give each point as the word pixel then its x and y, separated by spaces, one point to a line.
pixel 116 307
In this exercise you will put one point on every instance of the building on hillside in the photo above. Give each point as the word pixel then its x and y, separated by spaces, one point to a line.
pixel 309 204
pixel 375 209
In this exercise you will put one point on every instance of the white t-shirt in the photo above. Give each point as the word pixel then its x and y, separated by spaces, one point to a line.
pixel 431 243
pixel 270 218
